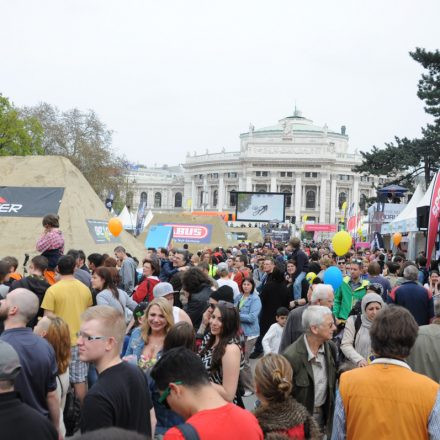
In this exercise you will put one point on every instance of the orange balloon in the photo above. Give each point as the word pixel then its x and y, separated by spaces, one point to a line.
pixel 115 226
pixel 397 238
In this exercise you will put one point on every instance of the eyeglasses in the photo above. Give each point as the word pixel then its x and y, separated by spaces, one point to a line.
pixel 90 338
pixel 341 262
pixel 167 392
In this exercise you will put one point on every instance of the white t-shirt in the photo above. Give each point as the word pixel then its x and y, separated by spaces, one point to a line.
pixel 272 339
pixel 231 283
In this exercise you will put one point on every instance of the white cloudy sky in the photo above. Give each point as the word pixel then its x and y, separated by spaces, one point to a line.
pixel 171 76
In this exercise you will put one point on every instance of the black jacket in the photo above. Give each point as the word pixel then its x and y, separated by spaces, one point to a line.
pixel 197 304
pixel 19 421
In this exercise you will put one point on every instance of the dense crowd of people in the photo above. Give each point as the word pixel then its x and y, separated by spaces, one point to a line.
pixel 104 346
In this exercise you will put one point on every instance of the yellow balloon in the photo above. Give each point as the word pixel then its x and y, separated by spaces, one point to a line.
pixel 115 226
pixel 341 242
pixel 397 238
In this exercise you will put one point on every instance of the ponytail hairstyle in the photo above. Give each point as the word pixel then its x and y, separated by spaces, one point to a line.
pixel 273 377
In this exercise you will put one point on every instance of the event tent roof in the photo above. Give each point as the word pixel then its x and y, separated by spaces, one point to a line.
pixel 426 199
pixel 410 210
pixel 128 219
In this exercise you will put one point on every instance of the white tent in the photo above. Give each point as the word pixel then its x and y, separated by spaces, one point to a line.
pixel 128 219
pixel 426 199
pixel 406 221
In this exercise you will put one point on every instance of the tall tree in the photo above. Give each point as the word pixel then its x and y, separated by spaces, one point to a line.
pixel 86 141
pixel 19 135
pixel 405 159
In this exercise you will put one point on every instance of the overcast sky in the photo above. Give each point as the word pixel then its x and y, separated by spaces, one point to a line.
pixel 175 76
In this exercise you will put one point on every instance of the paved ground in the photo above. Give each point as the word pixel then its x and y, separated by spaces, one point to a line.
pixel 249 402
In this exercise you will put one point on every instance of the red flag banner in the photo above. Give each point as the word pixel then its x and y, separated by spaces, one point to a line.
pixel 434 213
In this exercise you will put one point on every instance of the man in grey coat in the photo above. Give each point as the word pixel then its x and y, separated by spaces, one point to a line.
pixel 425 354
pixel 127 271
pixel 321 295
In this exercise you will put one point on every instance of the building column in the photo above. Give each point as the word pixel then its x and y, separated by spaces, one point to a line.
pixel 273 184
pixel 249 183
pixel 205 193
pixel 356 191
pixel 303 197
pixel 221 193
pixel 193 194
pixel 333 200
pixel 241 183
pixel 298 199
pixel 150 198
pixel 323 191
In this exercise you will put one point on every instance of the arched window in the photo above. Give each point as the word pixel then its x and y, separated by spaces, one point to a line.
pixel 232 197
pixel 178 200
pixel 287 198
pixel 341 199
pixel 363 202
pixel 144 197
pixel 310 199
pixel 157 200
pixel 129 199
pixel 214 198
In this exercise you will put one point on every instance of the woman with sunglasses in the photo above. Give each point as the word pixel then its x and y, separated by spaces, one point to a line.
pixel 221 352
pixel 249 305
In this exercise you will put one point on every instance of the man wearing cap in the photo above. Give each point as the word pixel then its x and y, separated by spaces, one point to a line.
pixel 36 382
pixel 165 290
pixel 18 421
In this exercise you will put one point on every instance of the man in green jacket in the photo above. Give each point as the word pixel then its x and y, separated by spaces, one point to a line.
pixel 313 361
pixel 352 289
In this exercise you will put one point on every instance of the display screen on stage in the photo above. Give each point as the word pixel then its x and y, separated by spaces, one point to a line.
pixel 260 207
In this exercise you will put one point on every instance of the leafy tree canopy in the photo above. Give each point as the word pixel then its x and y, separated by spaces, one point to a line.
pixel 403 160
pixel 20 135
pixel 86 141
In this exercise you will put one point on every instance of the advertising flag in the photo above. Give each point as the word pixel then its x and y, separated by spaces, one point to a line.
pixel 434 213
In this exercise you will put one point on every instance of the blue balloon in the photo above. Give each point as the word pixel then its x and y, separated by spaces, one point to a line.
pixel 333 276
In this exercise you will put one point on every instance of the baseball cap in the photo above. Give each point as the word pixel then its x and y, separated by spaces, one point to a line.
pixel 223 293
pixel 162 289
pixel 222 266
pixel 9 362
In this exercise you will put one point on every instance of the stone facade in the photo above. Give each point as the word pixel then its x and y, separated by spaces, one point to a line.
pixel 309 162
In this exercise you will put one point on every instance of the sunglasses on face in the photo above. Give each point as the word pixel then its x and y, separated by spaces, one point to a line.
pixel 341 262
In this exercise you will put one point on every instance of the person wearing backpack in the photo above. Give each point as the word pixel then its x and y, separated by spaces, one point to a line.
pixel 150 273
pixel 184 385
pixel 356 343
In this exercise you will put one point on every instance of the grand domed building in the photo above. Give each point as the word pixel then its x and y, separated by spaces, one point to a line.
pixel 309 162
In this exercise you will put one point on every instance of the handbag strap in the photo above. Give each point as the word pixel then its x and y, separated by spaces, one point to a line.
pixel 188 431
pixel 61 385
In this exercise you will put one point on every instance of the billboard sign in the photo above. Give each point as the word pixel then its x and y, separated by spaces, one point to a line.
pixel 19 201
pixel 189 233
pixel 99 231
pixel 260 207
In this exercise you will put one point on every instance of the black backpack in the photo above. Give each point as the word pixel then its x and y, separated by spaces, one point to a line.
pixel 72 412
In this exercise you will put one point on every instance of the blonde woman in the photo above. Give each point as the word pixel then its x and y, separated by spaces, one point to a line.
pixel 280 415
pixel 146 341
pixel 56 332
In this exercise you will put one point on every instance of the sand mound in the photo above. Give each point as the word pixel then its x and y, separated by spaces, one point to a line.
pixel 78 204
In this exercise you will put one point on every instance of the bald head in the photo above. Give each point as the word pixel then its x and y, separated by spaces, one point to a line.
pixel 25 302
pixel 42 326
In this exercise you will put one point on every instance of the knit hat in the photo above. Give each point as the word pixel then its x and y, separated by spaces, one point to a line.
pixel 9 362
pixel 223 293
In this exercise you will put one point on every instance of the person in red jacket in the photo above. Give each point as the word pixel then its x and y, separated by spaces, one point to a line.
pixel 150 271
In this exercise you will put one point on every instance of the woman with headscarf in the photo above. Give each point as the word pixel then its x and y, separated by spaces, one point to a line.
pixel 356 343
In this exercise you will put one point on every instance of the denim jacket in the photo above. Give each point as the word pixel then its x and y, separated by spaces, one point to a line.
pixel 249 314
pixel 135 344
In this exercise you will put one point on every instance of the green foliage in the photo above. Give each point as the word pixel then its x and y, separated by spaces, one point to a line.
pixel 19 135
pixel 86 141
pixel 429 85
pixel 406 159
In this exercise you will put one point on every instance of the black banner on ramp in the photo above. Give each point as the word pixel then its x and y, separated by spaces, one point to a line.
pixel 19 201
